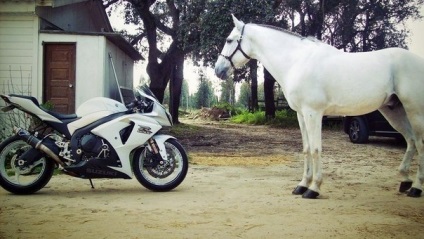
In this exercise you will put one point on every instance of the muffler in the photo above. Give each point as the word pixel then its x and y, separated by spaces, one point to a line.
pixel 37 144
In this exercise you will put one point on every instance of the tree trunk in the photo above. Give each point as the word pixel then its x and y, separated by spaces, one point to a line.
pixel 159 73
pixel 269 83
pixel 176 84
pixel 253 65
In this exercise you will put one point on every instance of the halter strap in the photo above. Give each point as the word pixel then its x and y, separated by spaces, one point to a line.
pixel 238 48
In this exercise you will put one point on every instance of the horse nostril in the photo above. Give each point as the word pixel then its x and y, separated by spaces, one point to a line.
pixel 221 74
pixel 218 72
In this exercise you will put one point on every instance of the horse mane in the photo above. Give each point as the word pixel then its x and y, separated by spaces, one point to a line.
pixel 311 38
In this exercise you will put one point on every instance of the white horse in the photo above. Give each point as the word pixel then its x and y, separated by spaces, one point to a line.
pixel 318 79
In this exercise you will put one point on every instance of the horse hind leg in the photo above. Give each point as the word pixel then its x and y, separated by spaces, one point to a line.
pixel 396 116
pixel 417 123
pixel 416 188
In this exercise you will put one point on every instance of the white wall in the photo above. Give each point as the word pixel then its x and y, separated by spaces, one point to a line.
pixel 17 6
pixel 124 66
pixel 18 53
pixel 89 70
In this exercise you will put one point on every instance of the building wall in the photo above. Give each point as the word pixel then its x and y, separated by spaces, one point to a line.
pixel 89 73
pixel 23 6
pixel 78 17
pixel 124 70
pixel 21 56
pixel 21 52
pixel 18 57
pixel 18 52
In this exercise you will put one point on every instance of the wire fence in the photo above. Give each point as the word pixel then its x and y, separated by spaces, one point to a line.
pixel 19 84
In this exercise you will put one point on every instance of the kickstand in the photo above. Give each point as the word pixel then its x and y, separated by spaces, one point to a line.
pixel 91 182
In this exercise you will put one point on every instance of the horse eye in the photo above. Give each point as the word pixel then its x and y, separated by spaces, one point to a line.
pixel 229 40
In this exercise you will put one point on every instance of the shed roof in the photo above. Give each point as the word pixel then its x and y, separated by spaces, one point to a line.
pixel 46 10
pixel 114 37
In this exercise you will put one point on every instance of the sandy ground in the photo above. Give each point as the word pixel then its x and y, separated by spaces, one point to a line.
pixel 238 186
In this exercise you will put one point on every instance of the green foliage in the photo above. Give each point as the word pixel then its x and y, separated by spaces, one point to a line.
pixel 244 95
pixel 205 96
pixel 227 92
pixel 247 117
pixel 352 25
pixel 231 109
pixel 216 23
pixel 283 118
pixel 48 105
pixel 185 96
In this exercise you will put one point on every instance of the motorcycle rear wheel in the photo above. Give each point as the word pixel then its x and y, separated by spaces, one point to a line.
pixel 161 178
pixel 22 179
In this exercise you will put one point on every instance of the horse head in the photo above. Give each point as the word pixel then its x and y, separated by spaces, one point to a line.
pixel 235 52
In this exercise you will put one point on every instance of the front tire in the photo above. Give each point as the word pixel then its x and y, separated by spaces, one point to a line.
pixel 161 178
pixel 22 179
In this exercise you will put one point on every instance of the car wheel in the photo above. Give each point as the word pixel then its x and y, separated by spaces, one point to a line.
pixel 358 131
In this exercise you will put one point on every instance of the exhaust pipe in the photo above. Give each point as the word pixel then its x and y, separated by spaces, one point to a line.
pixel 37 144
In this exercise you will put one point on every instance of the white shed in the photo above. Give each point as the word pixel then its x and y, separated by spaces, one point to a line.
pixel 58 51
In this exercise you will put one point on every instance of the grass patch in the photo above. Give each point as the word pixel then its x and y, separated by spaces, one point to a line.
pixel 283 118
pixel 182 129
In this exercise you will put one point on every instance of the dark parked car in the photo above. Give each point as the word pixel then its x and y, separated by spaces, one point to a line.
pixel 359 128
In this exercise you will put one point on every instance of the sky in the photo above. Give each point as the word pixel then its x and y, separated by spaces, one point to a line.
pixel 415 44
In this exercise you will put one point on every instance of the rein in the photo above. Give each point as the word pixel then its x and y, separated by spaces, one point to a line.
pixel 238 48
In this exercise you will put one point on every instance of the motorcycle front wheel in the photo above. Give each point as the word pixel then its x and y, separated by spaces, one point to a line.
pixel 15 176
pixel 161 177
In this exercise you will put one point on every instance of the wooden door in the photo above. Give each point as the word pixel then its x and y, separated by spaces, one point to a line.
pixel 59 76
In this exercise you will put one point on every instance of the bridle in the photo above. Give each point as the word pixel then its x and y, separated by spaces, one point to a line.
pixel 238 48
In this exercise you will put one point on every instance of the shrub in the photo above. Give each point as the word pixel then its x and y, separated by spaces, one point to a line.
pixel 283 118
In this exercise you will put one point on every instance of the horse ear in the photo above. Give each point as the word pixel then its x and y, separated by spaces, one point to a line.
pixel 238 24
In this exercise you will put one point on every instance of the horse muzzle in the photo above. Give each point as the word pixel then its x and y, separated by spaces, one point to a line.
pixel 222 72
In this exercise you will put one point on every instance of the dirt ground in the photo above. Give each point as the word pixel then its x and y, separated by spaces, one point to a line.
pixel 238 186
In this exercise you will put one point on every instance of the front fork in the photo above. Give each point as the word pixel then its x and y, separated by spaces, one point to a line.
pixel 156 145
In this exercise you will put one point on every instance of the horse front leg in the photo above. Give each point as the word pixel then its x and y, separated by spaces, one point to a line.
pixel 313 123
pixel 302 187
pixel 310 127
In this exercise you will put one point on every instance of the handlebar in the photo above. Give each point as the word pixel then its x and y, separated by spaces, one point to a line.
pixel 130 105
pixel 137 103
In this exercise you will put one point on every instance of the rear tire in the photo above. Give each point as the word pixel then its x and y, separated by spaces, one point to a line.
pixel 165 177
pixel 358 131
pixel 19 179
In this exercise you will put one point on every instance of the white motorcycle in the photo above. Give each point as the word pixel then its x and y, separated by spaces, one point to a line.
pixel 104 139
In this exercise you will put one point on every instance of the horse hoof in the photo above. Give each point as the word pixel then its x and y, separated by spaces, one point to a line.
pixel 414 192
pixel 299 190
pixel 310 194
pixel 404 186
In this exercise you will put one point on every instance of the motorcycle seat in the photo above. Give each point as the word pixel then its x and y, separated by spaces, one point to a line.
pixel 59 116
pixel 33 99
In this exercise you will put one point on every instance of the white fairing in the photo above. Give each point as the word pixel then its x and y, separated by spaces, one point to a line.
pixel 144 128
pixel 159 114
pixel 30 107
pixel 93 110
pixel 99 104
